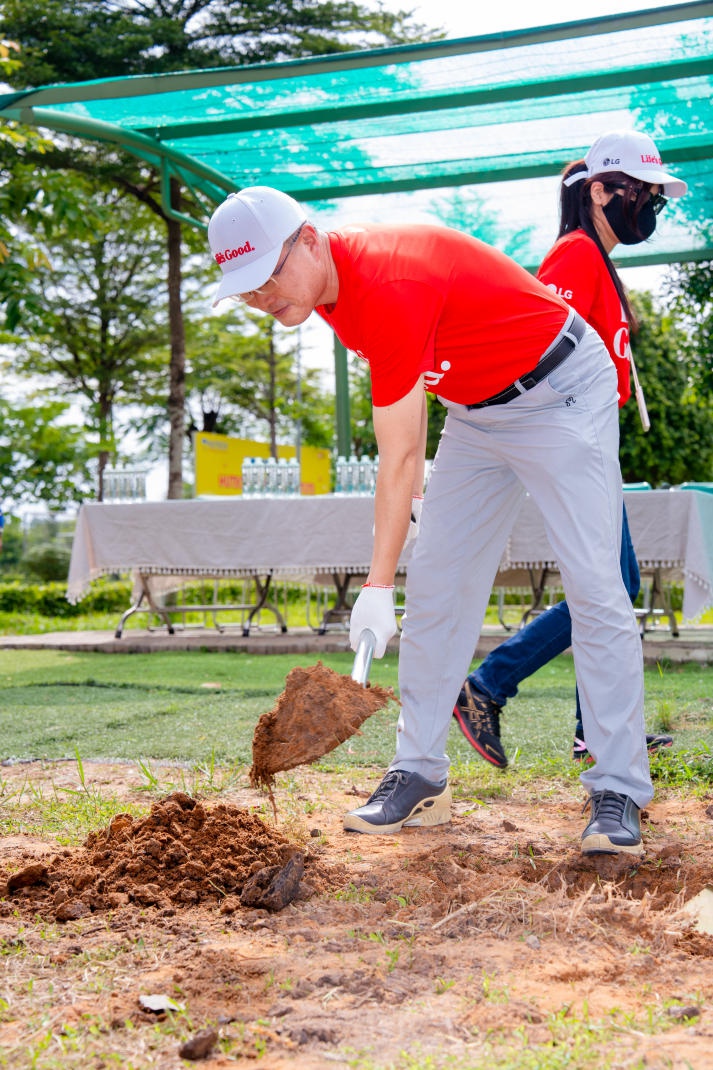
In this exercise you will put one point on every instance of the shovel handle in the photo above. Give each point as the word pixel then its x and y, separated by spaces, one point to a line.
pixel 363 656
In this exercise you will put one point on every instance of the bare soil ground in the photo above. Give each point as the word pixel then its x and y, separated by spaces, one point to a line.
pixel 463 946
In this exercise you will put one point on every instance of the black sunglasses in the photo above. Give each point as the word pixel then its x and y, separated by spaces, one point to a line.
pixel 657 200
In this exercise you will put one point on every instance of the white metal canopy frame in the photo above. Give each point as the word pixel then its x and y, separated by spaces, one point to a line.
pixel 493 119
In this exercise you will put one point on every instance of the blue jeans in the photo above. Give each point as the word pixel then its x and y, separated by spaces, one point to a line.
pixel 546 636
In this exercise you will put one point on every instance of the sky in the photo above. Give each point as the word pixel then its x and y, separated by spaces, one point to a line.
pixel 461 18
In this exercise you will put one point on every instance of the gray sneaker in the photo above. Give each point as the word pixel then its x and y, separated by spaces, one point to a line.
pixel 614 826
pixel 402 799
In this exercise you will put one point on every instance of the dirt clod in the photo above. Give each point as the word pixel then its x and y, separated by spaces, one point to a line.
pixel 200 1045
pixel 318 710
pixel 273 887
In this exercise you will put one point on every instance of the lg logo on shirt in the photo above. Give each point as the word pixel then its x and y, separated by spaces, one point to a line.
pixel 433 378
pixel 566 294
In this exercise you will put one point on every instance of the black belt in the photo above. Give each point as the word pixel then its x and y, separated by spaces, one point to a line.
pixel 570 337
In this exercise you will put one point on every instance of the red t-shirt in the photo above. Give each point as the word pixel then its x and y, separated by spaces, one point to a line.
pixel 574 268
pixel 427 299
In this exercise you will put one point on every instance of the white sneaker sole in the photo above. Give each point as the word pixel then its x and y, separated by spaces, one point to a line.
pixel 598 844
pixel 435 810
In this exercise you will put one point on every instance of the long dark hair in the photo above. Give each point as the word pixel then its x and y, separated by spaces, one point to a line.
pixel 576 214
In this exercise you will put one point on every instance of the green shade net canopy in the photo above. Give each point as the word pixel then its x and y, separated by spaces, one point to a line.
pixel 471 132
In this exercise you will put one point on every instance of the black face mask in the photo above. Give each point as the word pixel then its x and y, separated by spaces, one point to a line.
pixel 645 223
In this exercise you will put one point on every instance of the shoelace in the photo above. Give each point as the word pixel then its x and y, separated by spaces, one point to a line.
pixel 606 804
pixel 482 713
pixel 387 785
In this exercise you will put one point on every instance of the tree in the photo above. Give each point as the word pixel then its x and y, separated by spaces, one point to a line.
pixel 95 328
pixel 17 264
pixel 77 40
pixel 242 379
pixel 84 39
pixel 690 293
pixel 679 446
pixel 43 457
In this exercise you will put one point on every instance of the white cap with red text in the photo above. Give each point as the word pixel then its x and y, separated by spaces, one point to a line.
pixel 632 153
pixel 246 234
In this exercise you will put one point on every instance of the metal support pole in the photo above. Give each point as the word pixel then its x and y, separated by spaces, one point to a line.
pixel 341 388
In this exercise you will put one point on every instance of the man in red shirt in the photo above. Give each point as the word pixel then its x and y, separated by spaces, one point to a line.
pixel 532 405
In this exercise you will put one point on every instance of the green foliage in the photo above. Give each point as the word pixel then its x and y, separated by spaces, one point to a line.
pixel 50 599
pixel 679 445
pixel 47 563
pixel 43 458
pixel 690 289
pixel 99 333
pixel 242 376
pixel 78 40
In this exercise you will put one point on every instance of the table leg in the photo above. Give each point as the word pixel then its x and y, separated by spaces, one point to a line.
pixel 262 603
pixel 538 584
pixel 657 603
pixel 340 612
pixel 158 610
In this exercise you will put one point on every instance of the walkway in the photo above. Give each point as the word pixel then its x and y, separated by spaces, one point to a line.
pixel 694 643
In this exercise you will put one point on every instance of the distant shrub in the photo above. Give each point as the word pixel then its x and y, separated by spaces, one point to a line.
pixel 50 599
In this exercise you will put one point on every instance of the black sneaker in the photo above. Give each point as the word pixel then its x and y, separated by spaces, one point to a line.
pixel 653 743
pixel 402 799
pixel 478 718
pixel 614 826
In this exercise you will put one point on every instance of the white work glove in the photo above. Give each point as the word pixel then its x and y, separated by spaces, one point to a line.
pixel 374 609
pixel 415 524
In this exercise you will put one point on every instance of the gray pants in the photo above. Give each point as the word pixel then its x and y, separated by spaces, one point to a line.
pixel 559 441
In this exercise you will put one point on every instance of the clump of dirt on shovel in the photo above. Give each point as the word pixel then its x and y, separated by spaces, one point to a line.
pixel 181 854
pixel 318 710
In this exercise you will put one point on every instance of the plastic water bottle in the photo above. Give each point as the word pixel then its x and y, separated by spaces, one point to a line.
pixel 340 475
pixel 366 475
pixel 282 477
pixel 248 473
pixel 270 477
pixel 352 479
pixel 293 476
pixel 261 477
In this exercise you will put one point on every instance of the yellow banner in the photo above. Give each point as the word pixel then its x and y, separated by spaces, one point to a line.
pixel 219 464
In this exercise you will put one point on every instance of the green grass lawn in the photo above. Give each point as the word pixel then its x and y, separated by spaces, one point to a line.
pixel 198 707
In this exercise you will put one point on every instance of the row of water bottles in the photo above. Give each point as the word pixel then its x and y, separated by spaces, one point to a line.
pixel 355 475
pixel 124 484
pixel 266 477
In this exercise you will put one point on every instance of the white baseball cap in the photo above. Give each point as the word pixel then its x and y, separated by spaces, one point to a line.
pixel 633 153
pixel 246 234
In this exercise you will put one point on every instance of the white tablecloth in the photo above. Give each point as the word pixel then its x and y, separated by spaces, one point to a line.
pixel 671 530
pixel 233 537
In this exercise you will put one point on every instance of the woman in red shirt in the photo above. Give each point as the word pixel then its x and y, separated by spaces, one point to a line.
pixel 614 195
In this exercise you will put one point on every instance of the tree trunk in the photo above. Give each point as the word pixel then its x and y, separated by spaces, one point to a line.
pixel 177 372
pixel 107 446
pixel 273 392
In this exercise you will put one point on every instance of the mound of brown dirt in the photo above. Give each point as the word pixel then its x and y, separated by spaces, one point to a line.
pixel 182 853
pixel 318 710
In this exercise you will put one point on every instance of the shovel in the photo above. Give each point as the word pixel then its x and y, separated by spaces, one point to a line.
pixel 363 656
